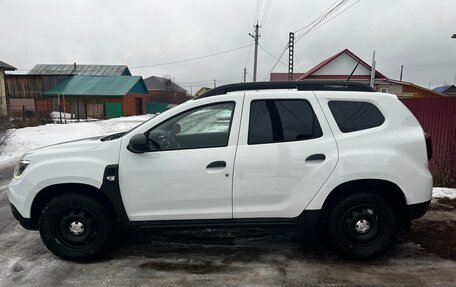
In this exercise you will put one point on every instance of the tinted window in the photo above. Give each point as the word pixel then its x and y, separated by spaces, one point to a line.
pixel 203 127
pixel 281 121
pixel 354 116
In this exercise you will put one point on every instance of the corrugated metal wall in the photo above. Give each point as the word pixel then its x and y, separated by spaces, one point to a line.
pixel 437 116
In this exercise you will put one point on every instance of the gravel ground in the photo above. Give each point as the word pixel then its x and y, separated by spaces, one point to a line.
pixel 253 257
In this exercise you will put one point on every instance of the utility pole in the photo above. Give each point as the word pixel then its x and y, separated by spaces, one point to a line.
pixel 372 80
pixel 402 69
pixel 245 74
pixel 290 55
pixel 215 85
pixel 256 36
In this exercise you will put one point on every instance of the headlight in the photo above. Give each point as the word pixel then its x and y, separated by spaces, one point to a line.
pixel 20 167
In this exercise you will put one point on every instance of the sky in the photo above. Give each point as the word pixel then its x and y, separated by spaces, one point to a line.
pixel 413 33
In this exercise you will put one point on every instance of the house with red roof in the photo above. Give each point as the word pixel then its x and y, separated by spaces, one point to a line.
pixel 346 65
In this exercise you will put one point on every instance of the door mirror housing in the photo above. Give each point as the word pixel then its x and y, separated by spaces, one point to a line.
pixel 137 143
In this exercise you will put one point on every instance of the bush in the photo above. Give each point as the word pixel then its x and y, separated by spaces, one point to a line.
pixel 5 130
pixel 33 119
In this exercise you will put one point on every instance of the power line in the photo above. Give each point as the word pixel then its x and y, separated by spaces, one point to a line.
pixel 197 83
pixel 336 15
pixel 327 14
pixel 277 62
pixel 257 11
pixel 191 59
pixel 315 24
pixel 321 15
pixel 270 54
pixel 299 64
pixel 266 11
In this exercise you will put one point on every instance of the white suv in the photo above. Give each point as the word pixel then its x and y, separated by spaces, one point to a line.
pixel 336 156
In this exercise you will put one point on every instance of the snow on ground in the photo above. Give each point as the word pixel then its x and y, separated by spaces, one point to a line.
pixel 440 192
pixel 26 139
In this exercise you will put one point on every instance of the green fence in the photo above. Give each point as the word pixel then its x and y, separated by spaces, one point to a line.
pixel 113 110
pixel 154 107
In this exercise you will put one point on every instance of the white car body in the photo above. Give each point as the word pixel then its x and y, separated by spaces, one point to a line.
pixel 270 182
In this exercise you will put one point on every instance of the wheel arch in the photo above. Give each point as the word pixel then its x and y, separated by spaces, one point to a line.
pixel 44 196
pixel 384 188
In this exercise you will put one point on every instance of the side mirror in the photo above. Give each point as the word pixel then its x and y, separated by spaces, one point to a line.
pixel 137 143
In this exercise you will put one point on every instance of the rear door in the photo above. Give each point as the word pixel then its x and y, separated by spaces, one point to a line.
pixel 286 151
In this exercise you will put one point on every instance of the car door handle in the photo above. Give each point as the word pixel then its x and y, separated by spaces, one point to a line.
pixel 216 164
pixel 317 156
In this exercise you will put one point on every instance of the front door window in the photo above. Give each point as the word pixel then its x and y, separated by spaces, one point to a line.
pixel 203 127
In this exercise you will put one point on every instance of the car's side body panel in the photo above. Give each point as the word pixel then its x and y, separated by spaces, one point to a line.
pixel 81 162
pixel 394 151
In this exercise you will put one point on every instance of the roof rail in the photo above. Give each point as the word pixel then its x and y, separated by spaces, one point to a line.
pixel 305 85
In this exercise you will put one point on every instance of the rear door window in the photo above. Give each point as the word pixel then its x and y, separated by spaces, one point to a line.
pixel 288 120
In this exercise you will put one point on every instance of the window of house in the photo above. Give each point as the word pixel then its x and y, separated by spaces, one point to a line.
pixel 274 121
pixel 353 116
pixel 202 127
pixel 383 90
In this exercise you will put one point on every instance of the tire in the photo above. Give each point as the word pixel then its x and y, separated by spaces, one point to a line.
pixel 76 227
pixel 362 225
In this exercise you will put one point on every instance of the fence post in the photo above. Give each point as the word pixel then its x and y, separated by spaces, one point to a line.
pixel 23 113
pixel 85 109
pixel 60 111
pixel 77 108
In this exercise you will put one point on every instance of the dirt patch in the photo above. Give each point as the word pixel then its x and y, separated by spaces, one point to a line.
pixel 438 237
pixel 188 267
pixel 444 204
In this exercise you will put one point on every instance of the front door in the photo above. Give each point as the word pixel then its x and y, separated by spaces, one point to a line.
pixel 187 173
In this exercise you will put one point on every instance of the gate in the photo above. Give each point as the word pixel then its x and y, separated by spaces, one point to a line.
pixel 113 110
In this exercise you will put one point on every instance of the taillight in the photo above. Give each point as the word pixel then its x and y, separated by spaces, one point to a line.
pixel 428 145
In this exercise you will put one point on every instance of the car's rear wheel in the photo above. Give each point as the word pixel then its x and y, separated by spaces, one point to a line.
pixel 76 227
pixel 362 225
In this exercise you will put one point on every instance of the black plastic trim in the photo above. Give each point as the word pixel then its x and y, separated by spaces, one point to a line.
pixel 308 218
pixel 304 85
pixel 418 210
pixel 112 191
pixel 25 222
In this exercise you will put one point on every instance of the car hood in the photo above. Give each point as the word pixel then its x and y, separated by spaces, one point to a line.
pixel 70 146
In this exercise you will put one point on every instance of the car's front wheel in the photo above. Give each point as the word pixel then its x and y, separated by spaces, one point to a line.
pixel 362 225
pixel 76 227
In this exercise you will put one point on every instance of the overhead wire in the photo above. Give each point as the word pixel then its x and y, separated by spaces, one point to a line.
pixel 270 54
pixel 315 24
pixel 191 59
pixel 265 14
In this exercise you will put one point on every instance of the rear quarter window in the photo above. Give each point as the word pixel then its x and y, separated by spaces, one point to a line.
pixel 354 116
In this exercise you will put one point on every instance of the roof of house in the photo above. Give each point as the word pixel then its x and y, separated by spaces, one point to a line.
pixel 330 59
pixel 284 76
pixel 105 86
pixel 413 85
pixel 158 83
pixel 6 67
pixel 201 91
pixel 82 70
pixel 442 89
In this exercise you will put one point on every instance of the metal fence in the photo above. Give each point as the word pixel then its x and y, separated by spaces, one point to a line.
pixel 437 116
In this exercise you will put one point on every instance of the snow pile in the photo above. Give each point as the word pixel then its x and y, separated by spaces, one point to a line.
pixel 441 192
pixel 26 139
